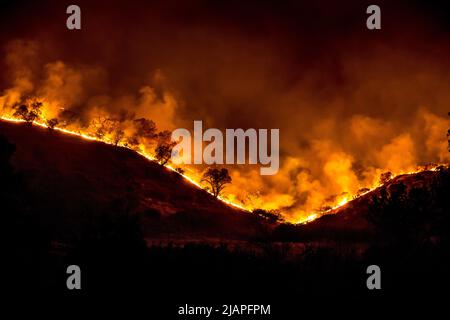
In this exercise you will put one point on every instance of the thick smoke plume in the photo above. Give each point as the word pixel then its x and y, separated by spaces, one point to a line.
pixel 350 104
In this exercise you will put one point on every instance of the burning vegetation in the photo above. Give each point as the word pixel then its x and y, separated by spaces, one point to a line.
pixel 141 135
pixel 326 158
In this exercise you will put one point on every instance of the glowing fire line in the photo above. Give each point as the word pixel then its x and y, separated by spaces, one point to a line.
pixel 143 154
pixel 308 219
pixel 348 199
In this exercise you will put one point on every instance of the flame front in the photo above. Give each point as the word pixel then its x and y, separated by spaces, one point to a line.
pixel 336 141
pixel 195 179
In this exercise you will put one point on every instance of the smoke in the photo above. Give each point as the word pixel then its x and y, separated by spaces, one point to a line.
pixel 350 104
pixel 20 59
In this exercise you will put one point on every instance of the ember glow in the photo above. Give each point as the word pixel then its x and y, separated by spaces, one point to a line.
pixel 195 179
pixel 350 105
pixel 192 179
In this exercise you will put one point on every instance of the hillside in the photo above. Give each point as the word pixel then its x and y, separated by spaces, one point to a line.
pixel 411 201
pixel 72 183
pixel 70 201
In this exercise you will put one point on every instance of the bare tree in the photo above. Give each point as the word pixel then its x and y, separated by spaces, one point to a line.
pixel 103 126
pixel 52 123
pixel 163 152
pixel 21 111
pixel 217 179
pixel 36 106
pixel 118 135
pixel 28 113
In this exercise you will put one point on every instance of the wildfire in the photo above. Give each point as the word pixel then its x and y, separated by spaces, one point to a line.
pixel 344 201
pixel 384 111
pixel 309 218
pixel 195 179
pixel 144 154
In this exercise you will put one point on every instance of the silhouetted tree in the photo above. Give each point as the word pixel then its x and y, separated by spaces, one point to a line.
pixel 163 152
pixel 217 179
pixel 118 135
pixel 21 111
pixel 401 215
pixel 28 113
pixel 145 128
pixel 385 177
pixel 35 110
pixel 99 126
pixel 132 142
pixel 52 123
pixel 103 126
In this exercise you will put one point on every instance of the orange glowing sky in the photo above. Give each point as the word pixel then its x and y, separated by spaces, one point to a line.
pixel 350 103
